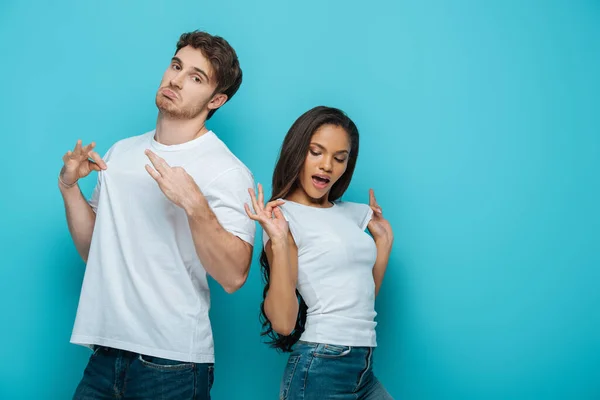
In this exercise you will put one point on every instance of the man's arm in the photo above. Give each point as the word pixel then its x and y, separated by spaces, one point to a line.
pixel 81 218
pixel 223 243
pixel 223 255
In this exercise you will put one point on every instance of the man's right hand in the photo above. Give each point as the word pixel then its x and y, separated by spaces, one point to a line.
pixel 79 163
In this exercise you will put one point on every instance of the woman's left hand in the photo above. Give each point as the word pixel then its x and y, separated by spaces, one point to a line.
pixel 379 227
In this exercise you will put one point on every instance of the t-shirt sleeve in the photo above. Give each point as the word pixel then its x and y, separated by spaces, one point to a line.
pixel 95 198
pixel 226 196
pixel 365 215
pixel 93 201
pixel 265 238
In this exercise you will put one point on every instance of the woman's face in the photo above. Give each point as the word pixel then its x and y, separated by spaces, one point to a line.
pixel 325 162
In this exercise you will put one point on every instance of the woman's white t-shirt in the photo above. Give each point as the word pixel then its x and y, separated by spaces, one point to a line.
pixel 335 271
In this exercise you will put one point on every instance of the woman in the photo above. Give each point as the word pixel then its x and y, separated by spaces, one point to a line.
pixel 321 269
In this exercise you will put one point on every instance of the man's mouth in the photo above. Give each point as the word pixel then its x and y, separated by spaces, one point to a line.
pixel 169 93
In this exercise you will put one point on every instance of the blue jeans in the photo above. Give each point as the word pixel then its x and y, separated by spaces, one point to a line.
pixel 120 374
pixel 317 371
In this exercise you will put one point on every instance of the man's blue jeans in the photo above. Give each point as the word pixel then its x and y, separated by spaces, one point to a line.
pixel 120 374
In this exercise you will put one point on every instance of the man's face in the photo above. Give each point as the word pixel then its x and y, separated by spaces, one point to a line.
pixel 188 86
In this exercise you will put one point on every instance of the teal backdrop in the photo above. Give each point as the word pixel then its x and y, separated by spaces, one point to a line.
pixel 480 131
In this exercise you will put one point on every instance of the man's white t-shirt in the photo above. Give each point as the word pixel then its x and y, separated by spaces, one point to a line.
pixel 335 271
pixel 145 289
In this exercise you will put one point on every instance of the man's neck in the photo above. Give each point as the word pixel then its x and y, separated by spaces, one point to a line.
pixel 177 131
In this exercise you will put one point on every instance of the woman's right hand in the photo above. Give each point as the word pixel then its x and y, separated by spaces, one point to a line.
pixel 79 163
pixel 269 215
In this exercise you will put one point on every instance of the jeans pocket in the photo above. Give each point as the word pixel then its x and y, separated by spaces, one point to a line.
pixel 288 376
pixel 96 349
pixel 332 351
pixel 163 364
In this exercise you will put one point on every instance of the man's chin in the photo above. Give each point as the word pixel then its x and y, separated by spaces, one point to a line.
pixel 166 106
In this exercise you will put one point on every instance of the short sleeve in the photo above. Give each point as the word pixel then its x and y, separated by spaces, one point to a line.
pixel 366 213
pixel 95 198
pixel 265 238
pixel 226 196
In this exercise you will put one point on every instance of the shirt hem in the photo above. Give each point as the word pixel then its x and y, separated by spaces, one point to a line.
pixel 245 237
pixel 339 341
pixel 89 341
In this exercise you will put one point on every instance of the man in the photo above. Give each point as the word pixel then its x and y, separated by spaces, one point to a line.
pixel 168 208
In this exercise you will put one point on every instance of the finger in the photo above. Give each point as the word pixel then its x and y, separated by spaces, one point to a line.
pixel 372 200
pixel 94 166
pixel 77 149
pixel 160 164
pixel 156 161
pixel 377 210
pixel 88 148
pixel 67 156
pixel 272 204
pixel 277 202
pixel 253 198
pixel 261 197
pixel 252 216
pixel 97 159
pixel 153 173
pixel 278 213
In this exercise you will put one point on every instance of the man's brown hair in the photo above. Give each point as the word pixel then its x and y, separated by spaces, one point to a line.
pixel 222 57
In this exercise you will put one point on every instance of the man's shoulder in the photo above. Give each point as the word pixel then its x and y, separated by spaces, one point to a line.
pixel 223 160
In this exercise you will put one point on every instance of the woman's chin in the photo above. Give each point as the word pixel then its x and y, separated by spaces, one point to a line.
pixel 317 196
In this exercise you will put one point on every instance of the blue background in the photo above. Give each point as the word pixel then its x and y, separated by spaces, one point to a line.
pixel 480 135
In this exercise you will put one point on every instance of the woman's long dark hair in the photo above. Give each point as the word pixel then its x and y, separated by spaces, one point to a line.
pixel 285 179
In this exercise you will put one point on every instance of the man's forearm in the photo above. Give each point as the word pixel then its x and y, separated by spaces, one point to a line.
pixel 223 255
pixel 80 219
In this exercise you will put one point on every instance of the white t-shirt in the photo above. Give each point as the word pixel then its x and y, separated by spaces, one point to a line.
pixel 335 271
pixel 145 289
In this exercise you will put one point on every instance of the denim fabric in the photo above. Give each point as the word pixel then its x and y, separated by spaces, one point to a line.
pixel 119 374
pixel 317 371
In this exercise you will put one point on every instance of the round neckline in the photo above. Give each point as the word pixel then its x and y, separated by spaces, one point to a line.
pixel 177 147
pixel 333 205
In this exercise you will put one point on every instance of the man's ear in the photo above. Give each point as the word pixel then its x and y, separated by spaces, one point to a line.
pixel 217 101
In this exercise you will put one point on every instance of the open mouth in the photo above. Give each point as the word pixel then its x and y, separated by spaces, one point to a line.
pixel 321 181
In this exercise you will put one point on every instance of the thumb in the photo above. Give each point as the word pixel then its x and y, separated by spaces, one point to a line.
pixel 93 166
pixel 278 213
